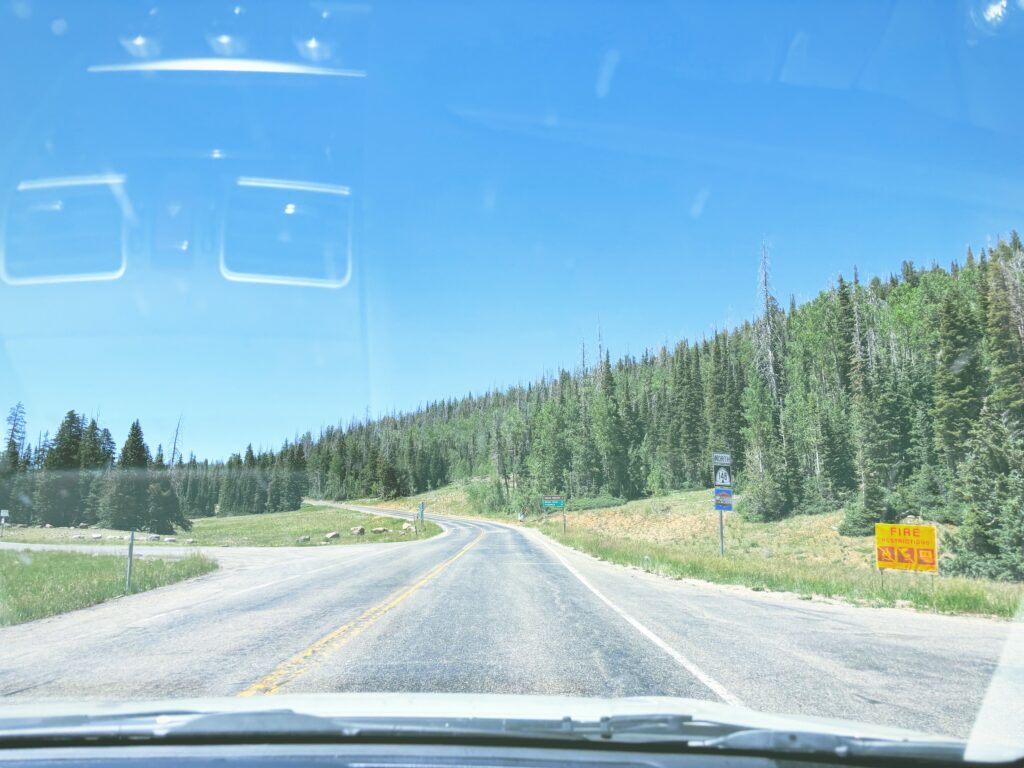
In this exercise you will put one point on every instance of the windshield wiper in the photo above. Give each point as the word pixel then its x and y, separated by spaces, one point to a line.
pixel 767 741
pixel 711 735
pixel 672 731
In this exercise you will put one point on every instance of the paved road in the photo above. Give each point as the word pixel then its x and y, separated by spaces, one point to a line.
pixel 489 608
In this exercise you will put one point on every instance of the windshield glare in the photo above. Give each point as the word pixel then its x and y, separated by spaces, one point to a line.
pixel 591 351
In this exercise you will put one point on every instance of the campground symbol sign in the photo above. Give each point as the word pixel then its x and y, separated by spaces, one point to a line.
pixel 906 547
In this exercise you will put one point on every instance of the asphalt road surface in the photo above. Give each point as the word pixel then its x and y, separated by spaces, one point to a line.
pixel 490 608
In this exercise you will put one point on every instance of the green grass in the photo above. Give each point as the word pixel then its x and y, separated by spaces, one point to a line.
pixel 278 529
pixel 34 585
pixel 281 529
pixel 676 535
pixel 449 500
pixel 940 594
pixel 596 502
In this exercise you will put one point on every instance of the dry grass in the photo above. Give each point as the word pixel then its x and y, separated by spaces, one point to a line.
pixel 686 522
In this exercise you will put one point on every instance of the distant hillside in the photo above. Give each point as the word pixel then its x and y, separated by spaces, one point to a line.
pixel 902 396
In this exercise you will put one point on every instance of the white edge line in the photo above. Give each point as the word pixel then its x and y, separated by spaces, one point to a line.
pixel 255 66
pixel 717 688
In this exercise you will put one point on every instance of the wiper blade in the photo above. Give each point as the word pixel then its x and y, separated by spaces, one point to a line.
pixel 802 742
pixel 646 727
pixel 686 732
pixel 682 732
pixel 278 725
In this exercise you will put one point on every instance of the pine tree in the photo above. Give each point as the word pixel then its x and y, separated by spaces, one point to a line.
pixel 770 480
pixel 125 502
pixel 58 493
pixel 609 438
pixel 959 380
pixel 844 334
pixel 990 543
pixel 163 512
pixel 1005 336
pixel 693 428
pixel 11 464
pixel 94 463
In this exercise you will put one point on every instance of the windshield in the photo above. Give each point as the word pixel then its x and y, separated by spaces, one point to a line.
pixel 594 350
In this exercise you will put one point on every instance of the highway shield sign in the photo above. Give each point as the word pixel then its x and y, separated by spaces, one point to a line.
pixel 906 547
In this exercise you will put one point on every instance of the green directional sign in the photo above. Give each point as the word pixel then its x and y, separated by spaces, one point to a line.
pixel 556 502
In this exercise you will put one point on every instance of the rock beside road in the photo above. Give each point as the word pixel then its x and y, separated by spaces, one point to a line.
pixel 408 527
pixel 153 537
pixel 97 536
pixel 332 535
pixel 303 539
pixel 170 538
pixel 357 530
pixel 378 530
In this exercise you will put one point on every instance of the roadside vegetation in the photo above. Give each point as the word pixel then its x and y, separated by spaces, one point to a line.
pixel 676 535
pixel 307 526
pixel 281 529
pixel 887 398
pixel 36 584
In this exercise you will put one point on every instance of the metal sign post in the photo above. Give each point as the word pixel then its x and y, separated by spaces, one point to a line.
pixel 4 514
pixel 721 533
pixel 131 550
pixel 555 502
pixel 722 464
pixel 423 509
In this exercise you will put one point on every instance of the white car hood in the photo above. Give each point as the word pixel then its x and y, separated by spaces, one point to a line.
pixel 491 706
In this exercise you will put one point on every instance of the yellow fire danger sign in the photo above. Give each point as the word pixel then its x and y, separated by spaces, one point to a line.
pixel 906 547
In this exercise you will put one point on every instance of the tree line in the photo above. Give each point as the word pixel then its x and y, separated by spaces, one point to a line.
pixel 79 478
pixel 897 398
pixel 894 398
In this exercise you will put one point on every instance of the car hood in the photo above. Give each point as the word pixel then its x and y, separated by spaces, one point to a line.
pixel 392 706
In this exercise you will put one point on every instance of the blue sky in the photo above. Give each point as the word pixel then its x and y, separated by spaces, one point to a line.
pixel 267 217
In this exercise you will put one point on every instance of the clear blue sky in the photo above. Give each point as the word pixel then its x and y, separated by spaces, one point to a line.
pixel 419 200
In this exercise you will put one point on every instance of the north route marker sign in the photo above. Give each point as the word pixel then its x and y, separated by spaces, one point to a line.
pixel 906 547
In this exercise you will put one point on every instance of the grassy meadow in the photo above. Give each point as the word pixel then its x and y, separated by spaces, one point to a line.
pixel 277 529
pixel 36 584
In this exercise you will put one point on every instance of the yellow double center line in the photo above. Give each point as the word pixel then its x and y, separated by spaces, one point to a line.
pixel 299 664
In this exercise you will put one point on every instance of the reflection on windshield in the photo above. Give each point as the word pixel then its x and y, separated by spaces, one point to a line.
pixel 635 350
